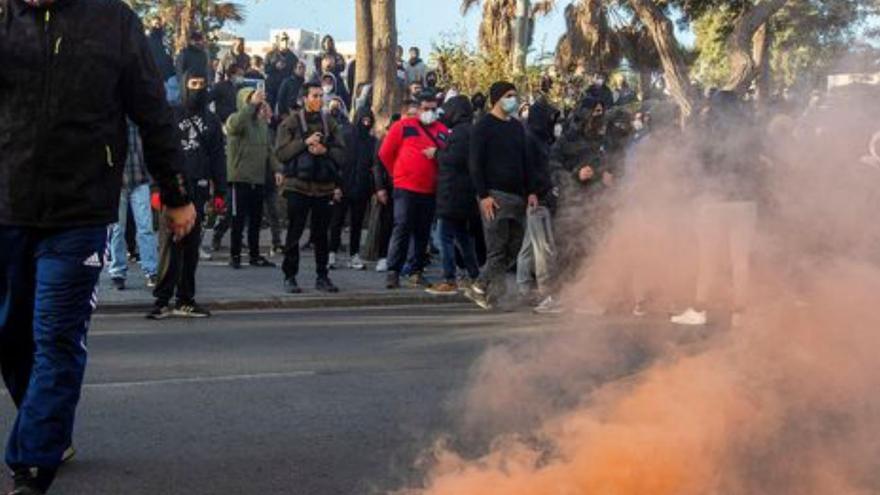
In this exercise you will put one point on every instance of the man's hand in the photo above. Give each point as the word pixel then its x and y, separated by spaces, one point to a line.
pixel 258 98
pixel 533 200
pixel 488 205
pixel 607 179
pixel 318 149
pixel 337 195
pixel 430 153
pixel 181 220
pixel 382 196
pixel 279 179
pixel 314 139
pixel 586 173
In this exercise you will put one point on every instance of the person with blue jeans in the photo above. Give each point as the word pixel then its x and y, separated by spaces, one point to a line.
pixel 63 142
pixel 135 193
pixel 408 152
pixel 456 198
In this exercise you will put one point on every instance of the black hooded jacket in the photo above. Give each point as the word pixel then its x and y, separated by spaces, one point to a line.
pixel 539 138
pixel 69 75
pixel 160 54
pixel 456 196
pixel 357 178
pixel 202 141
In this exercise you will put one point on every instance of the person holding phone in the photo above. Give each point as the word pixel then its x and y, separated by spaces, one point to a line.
pixel 311 148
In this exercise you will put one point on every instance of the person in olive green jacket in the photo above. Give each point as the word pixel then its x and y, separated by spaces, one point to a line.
pixel 248 154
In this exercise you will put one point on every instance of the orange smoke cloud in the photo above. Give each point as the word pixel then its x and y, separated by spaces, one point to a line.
pixel 786 403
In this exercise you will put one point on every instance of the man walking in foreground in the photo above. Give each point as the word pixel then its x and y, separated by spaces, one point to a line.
pixel 63 149
pixel 500 171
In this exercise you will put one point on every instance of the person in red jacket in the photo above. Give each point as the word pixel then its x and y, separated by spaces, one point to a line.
pixel 409 154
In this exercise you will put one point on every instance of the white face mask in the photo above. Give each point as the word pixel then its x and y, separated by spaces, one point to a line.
pixel 557 131
pixel 428 117
pixel 638 125
pixel 328 88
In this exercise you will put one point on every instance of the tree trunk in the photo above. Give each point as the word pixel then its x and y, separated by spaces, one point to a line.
pixel 364 43
pixel 761 43
pixel 386 92
pixel 739 44
pixel 645 78
pixel 185 24
pixel 675 70
pixel 521 36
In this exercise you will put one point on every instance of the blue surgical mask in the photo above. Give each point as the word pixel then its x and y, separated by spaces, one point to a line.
pixel 509 105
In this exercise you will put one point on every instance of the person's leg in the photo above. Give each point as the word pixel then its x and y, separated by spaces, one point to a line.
pixel 543 242
pixel 17 285
pixel 238 210
pixel 710 241
pixel 337 221
pixel 358 213
pixel 423 220
pixel 525 261
pixel 146 237
pixel 321 213
pixel 743 221
pixel 446 228
pixel 297 211
pixel 118 247
pixel 270 207
pixel 168 272
pixel 189 250
pixel 398 249
pixel 255 220
pixel 496 253
pixel 465 243
pixel 68 265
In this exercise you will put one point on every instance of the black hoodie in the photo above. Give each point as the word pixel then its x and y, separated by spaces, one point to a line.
pixel 202 141
pixel 456 196
pixel 360 146
pixel 539 138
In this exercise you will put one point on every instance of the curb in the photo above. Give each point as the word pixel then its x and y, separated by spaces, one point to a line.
pixel 351 300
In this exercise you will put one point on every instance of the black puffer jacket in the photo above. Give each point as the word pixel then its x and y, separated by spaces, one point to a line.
pixel 456 196
pixel 71 72
pixel 360 147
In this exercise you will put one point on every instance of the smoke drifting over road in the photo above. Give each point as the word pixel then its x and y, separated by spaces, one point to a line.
pixel 787 402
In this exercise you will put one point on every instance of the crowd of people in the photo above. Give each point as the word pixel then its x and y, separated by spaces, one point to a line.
pixel 472 183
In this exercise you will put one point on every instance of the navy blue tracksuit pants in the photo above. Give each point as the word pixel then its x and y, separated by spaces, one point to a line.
pixel 47 295
pixel 413 215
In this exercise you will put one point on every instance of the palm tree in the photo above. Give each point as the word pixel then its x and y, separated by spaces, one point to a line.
pixel 184 16
pixel 498 29
pixel 588 41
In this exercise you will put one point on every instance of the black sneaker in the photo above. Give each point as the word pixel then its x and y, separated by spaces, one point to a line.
pixel 262 262
pixel 323 284
pixel 216 245
pixel 160 312
pixel 235 263
pixel 291 287
pixel 191 310
pixel 29 482
pixel 392 280
pixel 118 283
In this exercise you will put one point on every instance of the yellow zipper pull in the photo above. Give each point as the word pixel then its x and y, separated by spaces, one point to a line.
pixel 109 156
pixel 58 45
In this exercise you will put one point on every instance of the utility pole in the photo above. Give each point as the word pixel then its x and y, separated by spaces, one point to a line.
pixel 521 35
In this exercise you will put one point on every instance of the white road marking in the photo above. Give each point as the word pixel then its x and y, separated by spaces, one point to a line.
pixel 199 379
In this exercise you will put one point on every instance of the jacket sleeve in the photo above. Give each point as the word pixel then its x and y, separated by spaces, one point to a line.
pixel 380 176
pixel 237 122
pixel 281 101
pixel 477 161
pixel 217 157
pixel 143 100
pixel 336 146
pixel 391 147
pixel 457 151
pixel 290 142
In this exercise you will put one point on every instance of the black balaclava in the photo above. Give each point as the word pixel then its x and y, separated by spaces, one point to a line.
pixel 194 101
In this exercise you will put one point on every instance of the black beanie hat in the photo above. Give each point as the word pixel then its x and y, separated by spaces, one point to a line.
pixel 497 90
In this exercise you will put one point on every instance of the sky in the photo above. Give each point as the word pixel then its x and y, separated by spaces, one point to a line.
pixel 419 22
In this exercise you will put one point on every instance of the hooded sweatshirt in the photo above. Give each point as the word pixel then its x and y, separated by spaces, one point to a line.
pixel 539 137
pixel 249 149
pixel 456 197
pixel 201 139
pixel 359 150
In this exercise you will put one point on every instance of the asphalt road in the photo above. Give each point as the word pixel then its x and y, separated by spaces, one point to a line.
pixel 316 402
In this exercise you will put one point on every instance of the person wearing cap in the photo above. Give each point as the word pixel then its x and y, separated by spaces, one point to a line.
pixel 63 142
pixel 502 179
pixel 409 153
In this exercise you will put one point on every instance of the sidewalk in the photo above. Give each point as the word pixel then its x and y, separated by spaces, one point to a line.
pixel 219 287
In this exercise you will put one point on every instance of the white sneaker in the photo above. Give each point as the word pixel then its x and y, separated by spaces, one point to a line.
pixel 638 311
pixel 690 317
pixel 549 306
pixel 331 264
pixel 356 263
pixel 382 265
pixel 204 255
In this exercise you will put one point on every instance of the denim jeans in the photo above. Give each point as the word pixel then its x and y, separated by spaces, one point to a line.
pixel 47 295
pixel 456 233
pixel 537 258
pixel 139 198
pixel 413 215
